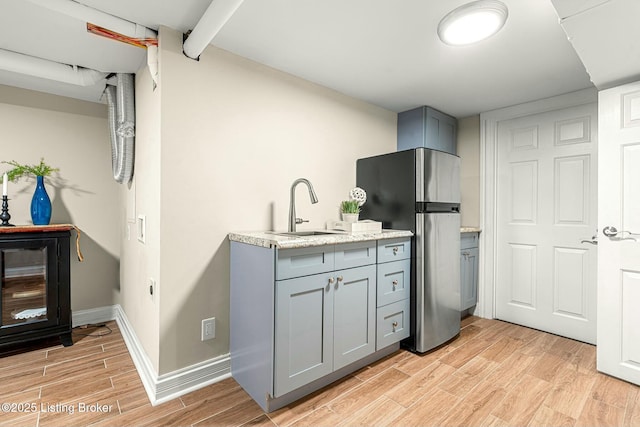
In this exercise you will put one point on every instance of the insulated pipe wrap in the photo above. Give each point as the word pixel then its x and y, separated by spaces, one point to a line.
pixel 121 109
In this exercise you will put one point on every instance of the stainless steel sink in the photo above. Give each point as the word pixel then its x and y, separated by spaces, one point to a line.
pixel 305 233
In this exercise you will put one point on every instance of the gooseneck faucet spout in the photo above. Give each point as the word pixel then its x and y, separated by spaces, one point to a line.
pixel 292 202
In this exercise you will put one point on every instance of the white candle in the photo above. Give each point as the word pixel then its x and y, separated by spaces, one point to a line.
pixel 5 181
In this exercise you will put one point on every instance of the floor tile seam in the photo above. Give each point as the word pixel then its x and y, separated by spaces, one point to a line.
pixel 627 416
pixel 186 407
pixel 323 405
pixel 491 371
pixel 25 416
pixel 73 359
pixel 476 354
pixel 357 388
pixel 61 370
pixel 22 390
pixel 210 398
pixel 473 409
pixel 560 412
pixel 355 374
pixel 417 373
pixel 328 404
pixel 87 396
pixel 591 395
pixel 5 397
pixel 478 384
pixel 11 370
pixel 509 394
pixel 72 379
pixel 609 407
pixel 30 371
pixel 209 416
pixel 424 399
pixel 580 408
pixel 345 421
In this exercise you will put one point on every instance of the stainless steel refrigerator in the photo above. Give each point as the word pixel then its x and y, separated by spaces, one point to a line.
pixel 419 190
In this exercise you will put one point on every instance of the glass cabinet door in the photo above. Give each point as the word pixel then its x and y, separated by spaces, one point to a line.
pixel 26 275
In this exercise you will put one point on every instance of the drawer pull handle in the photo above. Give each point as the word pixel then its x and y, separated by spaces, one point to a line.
pixel 395 250
pixel 339 278
pixel 331 280
pixel 394 283
pixel 395 325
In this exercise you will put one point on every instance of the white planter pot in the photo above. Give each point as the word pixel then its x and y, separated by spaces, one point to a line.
pixel 347 217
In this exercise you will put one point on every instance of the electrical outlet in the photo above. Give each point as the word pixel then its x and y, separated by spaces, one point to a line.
pixel 208 329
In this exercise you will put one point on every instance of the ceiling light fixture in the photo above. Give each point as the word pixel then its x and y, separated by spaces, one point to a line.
pixel 472 22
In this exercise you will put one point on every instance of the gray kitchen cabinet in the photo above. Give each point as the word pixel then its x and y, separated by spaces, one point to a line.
pixel 303 317
pixel 468 270
pixel 322 323
pixel 394 282
pixel 427 127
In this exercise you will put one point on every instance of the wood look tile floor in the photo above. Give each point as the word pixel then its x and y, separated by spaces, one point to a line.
pixel 493 374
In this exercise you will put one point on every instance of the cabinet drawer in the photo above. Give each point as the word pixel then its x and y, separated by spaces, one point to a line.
pixel 468 240
pixel 393 281
pixel 392 323
pixel 394 249
pixel 356 254
pixel 304 261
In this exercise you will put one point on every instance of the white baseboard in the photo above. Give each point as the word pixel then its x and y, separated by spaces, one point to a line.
pixel 159 388
pixel 92 316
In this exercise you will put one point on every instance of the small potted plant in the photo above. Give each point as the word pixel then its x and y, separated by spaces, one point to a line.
pixel 350 210
pixel 40 203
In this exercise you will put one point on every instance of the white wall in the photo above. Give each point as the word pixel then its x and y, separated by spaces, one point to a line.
pixel 234 136
pixel 469 152
pixel 141 260
pixel 73 136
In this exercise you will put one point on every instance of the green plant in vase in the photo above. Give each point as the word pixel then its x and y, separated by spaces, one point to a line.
pixel 350 207
pixel 350 210
pixel 40 203
pixel 19 170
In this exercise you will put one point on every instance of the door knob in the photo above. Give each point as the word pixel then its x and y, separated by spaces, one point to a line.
pixel 612 233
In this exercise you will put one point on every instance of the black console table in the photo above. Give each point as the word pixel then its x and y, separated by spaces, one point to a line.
pixel 35 294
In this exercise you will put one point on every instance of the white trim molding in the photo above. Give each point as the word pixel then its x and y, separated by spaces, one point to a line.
pixel 159 388
pixel 488 185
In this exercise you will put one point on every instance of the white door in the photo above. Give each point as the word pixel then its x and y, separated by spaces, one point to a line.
pixel 546 206
pixel 618 349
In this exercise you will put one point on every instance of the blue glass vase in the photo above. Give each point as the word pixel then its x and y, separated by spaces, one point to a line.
pixel 40 204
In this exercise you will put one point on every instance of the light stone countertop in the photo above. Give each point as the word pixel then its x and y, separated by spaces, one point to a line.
pixel 470 230
pixel 268 239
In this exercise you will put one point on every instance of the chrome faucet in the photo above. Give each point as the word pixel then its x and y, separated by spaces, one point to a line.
pixel 292 203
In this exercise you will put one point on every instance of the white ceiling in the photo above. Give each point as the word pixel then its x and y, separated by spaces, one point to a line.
pixel 381 51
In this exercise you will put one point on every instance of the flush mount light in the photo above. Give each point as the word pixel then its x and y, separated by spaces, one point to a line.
pixel 472 22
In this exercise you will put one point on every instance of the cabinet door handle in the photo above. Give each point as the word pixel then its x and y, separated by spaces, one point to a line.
pixel 331 280
pixel 339 278
pixel 395 250
pixel 395 325
pixel 394 283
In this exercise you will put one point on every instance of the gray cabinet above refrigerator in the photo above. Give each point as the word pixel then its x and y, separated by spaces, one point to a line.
pixel 426 127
